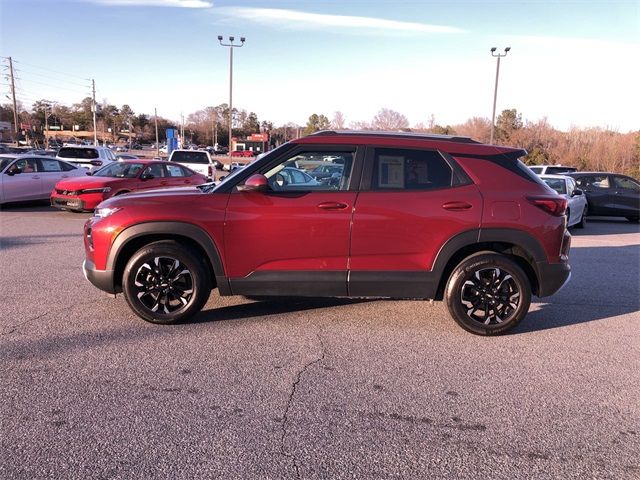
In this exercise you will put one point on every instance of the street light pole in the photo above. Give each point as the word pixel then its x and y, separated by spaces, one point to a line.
pixel 231 46
pixel 495 91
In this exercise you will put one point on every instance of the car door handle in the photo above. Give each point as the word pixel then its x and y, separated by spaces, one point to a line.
pixel 36 177
pixel 332 205
pixel 164 182
pixel 65 176
pixel 456 206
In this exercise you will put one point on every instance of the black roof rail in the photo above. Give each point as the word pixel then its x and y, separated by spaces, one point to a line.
pixel 384 133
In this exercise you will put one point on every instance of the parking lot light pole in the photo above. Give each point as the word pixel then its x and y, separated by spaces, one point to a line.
pixel 231 46
pixel 495 91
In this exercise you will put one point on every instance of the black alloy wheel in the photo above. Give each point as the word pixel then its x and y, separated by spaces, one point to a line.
pixel 165 282
pixel 488 293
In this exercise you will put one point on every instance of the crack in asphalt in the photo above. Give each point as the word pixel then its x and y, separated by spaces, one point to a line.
pixel 13 328
pixel 296 382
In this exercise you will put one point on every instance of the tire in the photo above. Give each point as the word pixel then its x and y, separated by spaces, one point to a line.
pixel 634 219
pixel 181 289
pixel 583 220
pixel 481 294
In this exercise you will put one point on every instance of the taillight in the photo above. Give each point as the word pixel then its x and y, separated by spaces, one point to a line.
pixel 210 170
pixel 96 163
pixel 556 206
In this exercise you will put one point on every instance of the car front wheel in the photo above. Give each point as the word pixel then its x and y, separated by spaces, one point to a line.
pixel 488 294
pixel 165 282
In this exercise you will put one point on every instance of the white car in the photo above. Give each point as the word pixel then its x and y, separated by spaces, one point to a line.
pixel 89 157
pixel 577 201
pixel 32 177
pixel 552 169
pixel 197 160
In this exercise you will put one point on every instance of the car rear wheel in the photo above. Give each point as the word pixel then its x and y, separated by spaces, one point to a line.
pixel 583 219
pixel 165 282
pixel 488 294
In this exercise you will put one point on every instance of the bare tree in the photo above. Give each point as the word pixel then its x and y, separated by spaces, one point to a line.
pixel 338 121
pixel 388 119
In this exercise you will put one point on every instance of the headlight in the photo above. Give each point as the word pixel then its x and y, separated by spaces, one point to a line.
pixel 105 211
pixel 95 190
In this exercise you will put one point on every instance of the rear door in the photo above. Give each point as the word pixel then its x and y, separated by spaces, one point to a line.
pixel 294 238
pixel 177 176
pixel 412 201
pixel 626 192
pixel 51 172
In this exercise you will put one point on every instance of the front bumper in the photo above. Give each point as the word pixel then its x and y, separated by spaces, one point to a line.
pixel 102 279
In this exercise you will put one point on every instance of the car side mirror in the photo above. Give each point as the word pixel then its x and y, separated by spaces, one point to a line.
pixel 147 176
pixel 255 183
pixel 89 173
pixel 12 173
pixel 576 191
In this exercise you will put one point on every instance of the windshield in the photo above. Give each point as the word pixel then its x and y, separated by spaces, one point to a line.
pixel 120 170
pixel 556 184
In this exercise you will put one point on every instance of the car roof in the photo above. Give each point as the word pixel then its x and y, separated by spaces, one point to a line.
pixel 386 133
pixel 553 176
pixel 594 173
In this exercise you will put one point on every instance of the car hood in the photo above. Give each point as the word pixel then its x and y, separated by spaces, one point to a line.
pixel 163 195
pixel 84 182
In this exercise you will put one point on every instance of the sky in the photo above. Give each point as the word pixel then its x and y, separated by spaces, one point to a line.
pixel 575 63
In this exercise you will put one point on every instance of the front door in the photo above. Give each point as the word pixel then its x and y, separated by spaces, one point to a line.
pixel 22 181
pixel 294 238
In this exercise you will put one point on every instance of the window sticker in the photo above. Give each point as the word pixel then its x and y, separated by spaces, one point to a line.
pixel 390 171
pixel 51 165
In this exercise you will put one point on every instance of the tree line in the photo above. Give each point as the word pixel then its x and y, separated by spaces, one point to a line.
pixel 585 148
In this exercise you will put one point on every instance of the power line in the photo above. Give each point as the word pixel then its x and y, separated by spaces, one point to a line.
pixel 49 76
pixel 53 86
pixel 52 70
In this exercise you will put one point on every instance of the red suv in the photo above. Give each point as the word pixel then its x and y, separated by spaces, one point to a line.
pixel 406 216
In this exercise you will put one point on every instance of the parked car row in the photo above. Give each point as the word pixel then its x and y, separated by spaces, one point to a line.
pixel 593 193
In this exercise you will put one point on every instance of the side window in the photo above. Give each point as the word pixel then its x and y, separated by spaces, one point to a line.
pixel 25 165
pixel 50 165
pixel 156 170
pixel 596 181
pixel 175 170
pixel 624 182
pixel 402 169
pixel 301 171
pixel 66 167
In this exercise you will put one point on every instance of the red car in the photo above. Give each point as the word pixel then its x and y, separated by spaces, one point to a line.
pixel 407 216
pixel 85 193
pixel 242 153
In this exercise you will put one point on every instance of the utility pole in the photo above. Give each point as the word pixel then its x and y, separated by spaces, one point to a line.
pixel 231 46
pixel 15 107
pixel 155 115
pixel 93 108
pixel 495 91
pixel 46 127
pixel 130 128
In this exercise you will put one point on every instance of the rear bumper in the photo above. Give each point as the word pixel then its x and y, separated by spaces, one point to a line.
pixel 102 279
pixel 552 277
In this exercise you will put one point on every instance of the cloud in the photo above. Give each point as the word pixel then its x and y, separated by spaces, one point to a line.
pixel 296 19
pixel 155 3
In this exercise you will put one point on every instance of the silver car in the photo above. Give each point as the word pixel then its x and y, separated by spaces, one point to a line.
pixel 576 199
pixel 32 177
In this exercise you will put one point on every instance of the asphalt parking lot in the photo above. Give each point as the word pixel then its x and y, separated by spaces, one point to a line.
pixel 313 388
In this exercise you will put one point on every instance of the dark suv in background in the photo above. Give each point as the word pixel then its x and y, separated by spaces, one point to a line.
pixel 610 194
pixel 408 216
